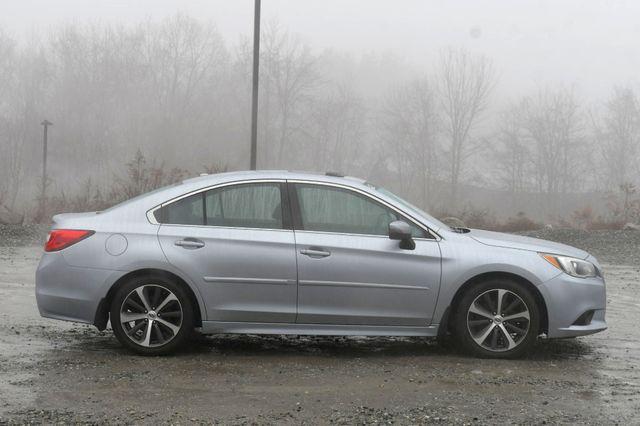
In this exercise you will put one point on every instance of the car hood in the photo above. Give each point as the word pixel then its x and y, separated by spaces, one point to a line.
pixel 499 239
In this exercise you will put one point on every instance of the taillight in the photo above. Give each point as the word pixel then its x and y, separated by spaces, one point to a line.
pixel 63 238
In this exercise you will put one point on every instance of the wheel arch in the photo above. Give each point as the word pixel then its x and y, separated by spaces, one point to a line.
pixel 102 313
pixel 542 306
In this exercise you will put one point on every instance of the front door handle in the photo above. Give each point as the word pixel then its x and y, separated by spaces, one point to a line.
pixel 315 252
pixel 190 243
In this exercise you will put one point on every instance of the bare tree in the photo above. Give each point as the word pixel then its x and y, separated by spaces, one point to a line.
pixel 618 136
pixel 288 75
pixel 9 150
pixel 624 203
pixel 153 86
pixel 339 121
pixel 465 83
pixel 24 75
pixel 555 125
pixel 93 92
pixel 410 126
pixel 511 152
pixel 187 63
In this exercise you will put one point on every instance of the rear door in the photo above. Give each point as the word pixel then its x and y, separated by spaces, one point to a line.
pixel 235 241
pixel 349 271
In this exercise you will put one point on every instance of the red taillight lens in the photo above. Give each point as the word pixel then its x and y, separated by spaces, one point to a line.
pixel 63 238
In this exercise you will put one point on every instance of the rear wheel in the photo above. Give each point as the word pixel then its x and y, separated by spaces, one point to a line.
pixel 497 319
pixel 151 315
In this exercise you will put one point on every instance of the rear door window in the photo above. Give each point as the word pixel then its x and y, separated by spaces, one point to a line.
pixel 249 205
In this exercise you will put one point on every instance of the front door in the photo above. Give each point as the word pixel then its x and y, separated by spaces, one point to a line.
pixel 237 244
pixel 349 271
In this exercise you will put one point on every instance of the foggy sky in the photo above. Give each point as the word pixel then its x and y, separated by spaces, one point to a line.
pixel 592 44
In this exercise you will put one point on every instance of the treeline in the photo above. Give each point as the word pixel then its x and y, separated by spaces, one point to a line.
pixel 176 91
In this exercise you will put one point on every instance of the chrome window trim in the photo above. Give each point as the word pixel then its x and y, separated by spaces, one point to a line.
pixel 348 234
pixel 401 212
pixel 152 219
pixel 237 228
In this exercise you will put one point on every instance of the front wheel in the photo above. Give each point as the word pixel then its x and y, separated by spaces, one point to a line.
pixel 497 319
pixel 151 315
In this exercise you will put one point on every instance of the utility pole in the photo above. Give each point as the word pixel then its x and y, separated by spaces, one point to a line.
pixel 43 199
pixel 254 92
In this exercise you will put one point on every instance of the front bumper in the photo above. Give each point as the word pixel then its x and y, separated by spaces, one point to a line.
pixel 69 293
pixel 568 299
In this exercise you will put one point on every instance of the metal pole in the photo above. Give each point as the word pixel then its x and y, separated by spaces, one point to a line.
pixel 254 93
pixel 43 194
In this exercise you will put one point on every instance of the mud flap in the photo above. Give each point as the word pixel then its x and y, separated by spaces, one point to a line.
pixel 102 315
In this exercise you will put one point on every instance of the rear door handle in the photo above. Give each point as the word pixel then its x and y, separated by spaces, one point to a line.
pixel 315 252
pixel 190 243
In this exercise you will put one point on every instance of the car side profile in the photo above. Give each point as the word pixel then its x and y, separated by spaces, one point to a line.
pixel 274 252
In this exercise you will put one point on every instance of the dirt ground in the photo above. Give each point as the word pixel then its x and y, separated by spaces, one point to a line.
pixel 51 371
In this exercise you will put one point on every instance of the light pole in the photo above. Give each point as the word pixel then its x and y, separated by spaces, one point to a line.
pixel 43 194
pixel 254 90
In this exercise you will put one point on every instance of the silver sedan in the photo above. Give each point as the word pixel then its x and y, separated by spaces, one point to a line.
pixel 293 253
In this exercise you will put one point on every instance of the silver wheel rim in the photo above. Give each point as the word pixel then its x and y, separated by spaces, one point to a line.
pixel 498 320
pixel 151 315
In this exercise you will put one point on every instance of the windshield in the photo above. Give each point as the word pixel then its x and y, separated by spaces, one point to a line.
pixel 409 206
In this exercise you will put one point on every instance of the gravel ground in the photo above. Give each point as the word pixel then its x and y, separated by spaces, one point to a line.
pixel 22 235
pixel 56 372
pixel 612 247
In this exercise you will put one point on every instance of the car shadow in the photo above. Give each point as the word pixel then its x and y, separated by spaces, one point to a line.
pixel 364 347
pixel 90 340
pixel 335 346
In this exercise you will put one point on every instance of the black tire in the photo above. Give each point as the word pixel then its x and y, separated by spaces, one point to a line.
pixel 466 325
pixel 182 325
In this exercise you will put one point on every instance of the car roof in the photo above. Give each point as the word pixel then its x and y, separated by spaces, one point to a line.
pixel 162 195
pixel 274 174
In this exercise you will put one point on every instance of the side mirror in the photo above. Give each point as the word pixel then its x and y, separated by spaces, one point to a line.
pixel 401 231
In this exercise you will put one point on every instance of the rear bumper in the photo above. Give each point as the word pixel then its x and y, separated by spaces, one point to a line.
pixel 568 299
pixel 69 293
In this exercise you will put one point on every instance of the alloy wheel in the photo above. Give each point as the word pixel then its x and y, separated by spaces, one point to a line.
pixel 151 315
pixel 498 320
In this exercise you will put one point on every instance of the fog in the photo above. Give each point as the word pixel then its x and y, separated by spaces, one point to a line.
pixel 480 110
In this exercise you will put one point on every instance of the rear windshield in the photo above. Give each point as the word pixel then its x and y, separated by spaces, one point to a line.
pixel 139 197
